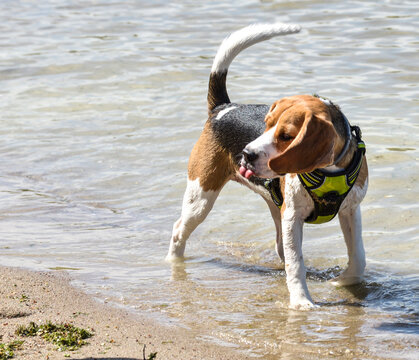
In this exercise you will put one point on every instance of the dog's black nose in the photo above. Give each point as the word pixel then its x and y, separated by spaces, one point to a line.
pixel 249 155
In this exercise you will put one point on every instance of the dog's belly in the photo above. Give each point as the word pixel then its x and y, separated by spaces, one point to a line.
pixel 236 125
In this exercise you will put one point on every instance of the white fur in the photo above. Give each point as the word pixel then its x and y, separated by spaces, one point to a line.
pixel 260 190
pixel 197 204
pixel 326 101
pixel 298 206
pixel 266 150
pixel 351 225
pixel 225 111
pixel 248 36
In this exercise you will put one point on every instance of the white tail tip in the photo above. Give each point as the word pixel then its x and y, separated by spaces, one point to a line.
pixel 248 36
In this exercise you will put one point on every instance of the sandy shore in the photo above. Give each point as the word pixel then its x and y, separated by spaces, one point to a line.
pixel 40 297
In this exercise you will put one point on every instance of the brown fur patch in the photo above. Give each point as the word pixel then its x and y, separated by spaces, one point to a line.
pixel 304 134
pixel 363 173
pixel 210 162
pixel 282 182
pixel 285 111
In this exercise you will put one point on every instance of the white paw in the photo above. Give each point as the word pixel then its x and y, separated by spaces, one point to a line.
pixel 346 280
pixel 302 304
pixel 280 265
pixel 173 258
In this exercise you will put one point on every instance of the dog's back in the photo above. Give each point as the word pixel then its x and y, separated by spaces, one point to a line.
pixel 235 125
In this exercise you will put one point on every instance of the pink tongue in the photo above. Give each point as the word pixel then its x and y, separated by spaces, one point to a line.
pixel 246 172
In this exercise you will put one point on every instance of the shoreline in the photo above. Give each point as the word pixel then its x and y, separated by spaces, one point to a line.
pixel 27 296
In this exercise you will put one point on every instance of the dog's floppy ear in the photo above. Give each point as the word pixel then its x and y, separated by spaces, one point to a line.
pixel 311 149
pixel 275 111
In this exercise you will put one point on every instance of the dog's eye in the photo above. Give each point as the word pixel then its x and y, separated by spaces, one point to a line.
pixel 285 137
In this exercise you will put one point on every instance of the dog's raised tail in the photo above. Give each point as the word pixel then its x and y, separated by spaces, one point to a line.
pixel 231 47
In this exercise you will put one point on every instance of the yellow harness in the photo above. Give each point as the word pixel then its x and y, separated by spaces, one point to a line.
pixel 327 189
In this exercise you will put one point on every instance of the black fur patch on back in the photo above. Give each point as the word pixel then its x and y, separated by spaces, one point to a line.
pixel 239 126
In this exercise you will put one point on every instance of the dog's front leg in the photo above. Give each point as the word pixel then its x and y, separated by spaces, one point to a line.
pixel 350 222
pixel 292 233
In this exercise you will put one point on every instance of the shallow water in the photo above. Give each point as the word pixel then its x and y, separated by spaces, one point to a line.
pixel 100 105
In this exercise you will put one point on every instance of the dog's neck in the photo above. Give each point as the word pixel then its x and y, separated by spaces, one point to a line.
pixel 344 157
pixel 346 144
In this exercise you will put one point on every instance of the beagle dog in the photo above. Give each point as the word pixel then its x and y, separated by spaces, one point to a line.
pixel 286 153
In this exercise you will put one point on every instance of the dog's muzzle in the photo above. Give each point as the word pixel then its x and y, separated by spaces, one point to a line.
pixel 247 169
pixel 249 156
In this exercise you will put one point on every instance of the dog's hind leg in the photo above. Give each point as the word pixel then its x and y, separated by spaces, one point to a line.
pixel 197 204
pixel 209 168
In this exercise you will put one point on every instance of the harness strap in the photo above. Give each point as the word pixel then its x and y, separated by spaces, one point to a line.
pixel 274 188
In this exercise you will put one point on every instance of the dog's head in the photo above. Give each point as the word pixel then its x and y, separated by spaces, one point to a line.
pixel 299 137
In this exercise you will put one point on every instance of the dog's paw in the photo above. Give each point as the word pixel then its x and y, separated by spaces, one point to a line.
pixel 346 280
pixel 302 304
pixel 173 258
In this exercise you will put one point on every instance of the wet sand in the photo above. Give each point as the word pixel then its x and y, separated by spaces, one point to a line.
pixel 40 297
